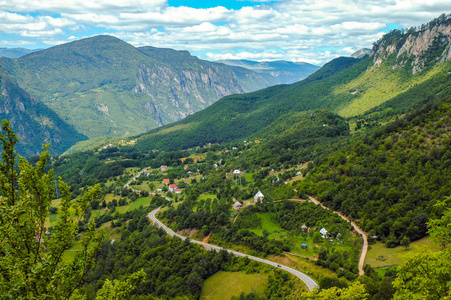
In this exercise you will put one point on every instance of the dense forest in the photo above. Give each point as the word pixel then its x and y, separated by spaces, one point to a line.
pixel 390 178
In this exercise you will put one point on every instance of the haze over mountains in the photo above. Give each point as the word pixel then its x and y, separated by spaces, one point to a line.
pixel 103 86
pixel 16 52
pixel 403 70
pixel 285 72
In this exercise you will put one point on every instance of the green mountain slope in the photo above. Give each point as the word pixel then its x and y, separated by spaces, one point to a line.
pixel 391 178
pixel 33 122
pixel 389 82
pixel 106 87
pixel 241 116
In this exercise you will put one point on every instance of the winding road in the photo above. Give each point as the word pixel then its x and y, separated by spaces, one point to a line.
pixel 311 284
pixel 356 228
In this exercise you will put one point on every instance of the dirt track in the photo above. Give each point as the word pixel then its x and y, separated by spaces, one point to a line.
pixel 356 228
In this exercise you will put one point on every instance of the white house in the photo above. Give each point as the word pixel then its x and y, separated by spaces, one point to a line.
pixel 237 172
pixel 258 197
pixel 323 232
pixel 237 205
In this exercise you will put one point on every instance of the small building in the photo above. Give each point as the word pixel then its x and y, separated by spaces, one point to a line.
pixel 323 232
pixel 185 167
pixel 159 191
pixel 166 181
pixel 237 172
pixel 338 236
pixel 298 173
pixel 237 205
pixel 186 183
pixel 172 187
pixel 146 173
pixel 215 166
pixel 178 191
pixel 304 227
pixel 163 168
pixel 258 197
pixel 189 173
pixel 304 246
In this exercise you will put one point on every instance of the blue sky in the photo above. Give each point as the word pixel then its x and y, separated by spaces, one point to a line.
pixel 296 30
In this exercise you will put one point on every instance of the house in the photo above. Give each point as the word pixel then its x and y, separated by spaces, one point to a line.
pixel 146 173
pixel 178 191
pixel 189 173
pixel 323 232
pixel 298 173
pixel 163 168
pixel 172 187
pixel 237 205
pixel 304 227
pixel 166 181
pixel 258 197
pixel 185 167
pixel 237 172
pixel 159 191
pixel 215 166
pixel 186 183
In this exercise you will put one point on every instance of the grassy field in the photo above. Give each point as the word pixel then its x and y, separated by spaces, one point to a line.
pixel 380 256
pixel 144 201
pixel 224 285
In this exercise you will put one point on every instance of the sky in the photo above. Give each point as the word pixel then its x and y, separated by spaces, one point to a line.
pixel 313 31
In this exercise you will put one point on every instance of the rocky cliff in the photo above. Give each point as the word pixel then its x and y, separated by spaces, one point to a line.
pixel 33 122
pixel 416 47
pixel 106 87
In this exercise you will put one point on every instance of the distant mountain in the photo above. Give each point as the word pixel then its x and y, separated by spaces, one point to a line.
pixel 405 69
pixel 285 72
pixel 33 122
pixel 106 87
pixel 16 52
pixel 361 53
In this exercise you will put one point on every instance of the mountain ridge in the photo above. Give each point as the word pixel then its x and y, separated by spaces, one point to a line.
pixel 104 86
pixel 286 72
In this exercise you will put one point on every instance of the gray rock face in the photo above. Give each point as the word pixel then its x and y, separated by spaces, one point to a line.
pixel 415 45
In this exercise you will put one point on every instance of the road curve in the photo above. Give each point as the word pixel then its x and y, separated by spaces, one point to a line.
pixel 311 284
pixel 356 228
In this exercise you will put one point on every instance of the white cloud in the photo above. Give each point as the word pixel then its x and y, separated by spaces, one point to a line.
pixel 291 29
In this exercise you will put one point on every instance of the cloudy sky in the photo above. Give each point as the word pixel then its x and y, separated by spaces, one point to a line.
pixel 313 31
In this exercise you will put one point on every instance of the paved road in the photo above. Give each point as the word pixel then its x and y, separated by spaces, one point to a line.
pixel 311 284
pixel 360 231
pixel 127 185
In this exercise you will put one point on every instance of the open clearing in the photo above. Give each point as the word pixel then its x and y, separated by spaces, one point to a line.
pixel 380 256
pixel 224 285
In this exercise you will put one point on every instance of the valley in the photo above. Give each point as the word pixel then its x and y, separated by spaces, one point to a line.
pixel 337 186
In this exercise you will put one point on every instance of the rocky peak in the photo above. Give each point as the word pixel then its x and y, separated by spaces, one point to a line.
pixel 416 47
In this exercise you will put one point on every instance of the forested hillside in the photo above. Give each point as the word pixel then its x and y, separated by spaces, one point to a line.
pixel 391 178
pixel 104 86
pixel 371 90
pixel 33 121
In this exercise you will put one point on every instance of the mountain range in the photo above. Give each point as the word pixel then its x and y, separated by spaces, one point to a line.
pixel 366 137
pixel 103 86
pixel 16 52
pixel 286 72
pixel 403 70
